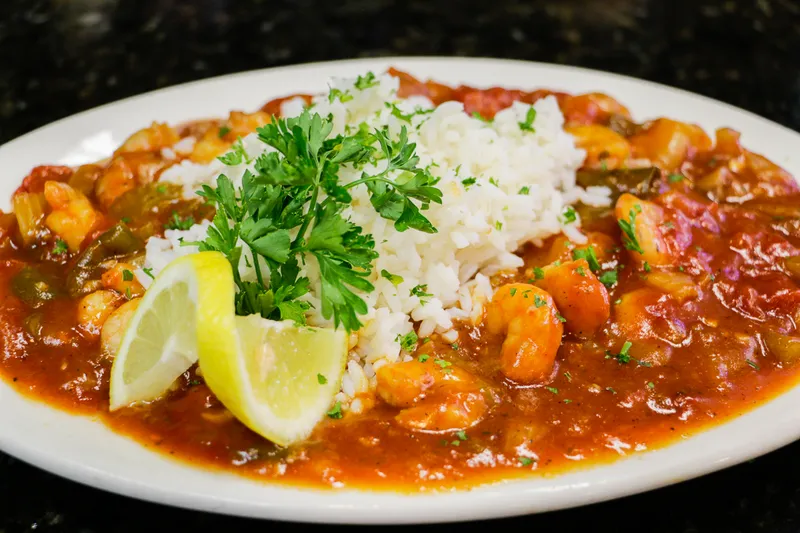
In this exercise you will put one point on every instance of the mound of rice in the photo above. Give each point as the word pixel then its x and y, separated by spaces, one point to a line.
pixel 502 187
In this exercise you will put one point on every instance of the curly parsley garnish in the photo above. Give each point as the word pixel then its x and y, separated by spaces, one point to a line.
pixel 279 215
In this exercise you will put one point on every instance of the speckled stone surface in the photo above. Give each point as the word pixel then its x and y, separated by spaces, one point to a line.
pixel 59 57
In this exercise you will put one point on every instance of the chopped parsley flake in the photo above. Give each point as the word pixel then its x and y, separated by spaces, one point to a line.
pixel 322 380
pixel 127 275
pixel 552 389
pixel 608 278
pixel 419 292
pixel 478 116
pixel 525 461
pixel 512 291
pixel 342 96
pixel 128 294
pixel 538 273
pixel 753 364
pixel 498 225
pixel 336 412
pixel 494 182
pixel 366 81
pixel 462 435
pixel 396 112
pixel 149 272
pixel 623 357
pixel 628 228
pixel 454 346
pixel 60 247
pixel 568 376
pixel 161 189
pixel 611 390
pixel 675 178
pixel 223 131
pixel 589 255
pixel 538 301
pixel 468 182
pixel 527 125
pixel 618 301
pixel 569 216
pixel 581 271
pixel 566 400
pixel 178 223
pixel 680 268
pixel 426 340
pixel 424 357
pixel 408 342
pixel 651 385
pixel 647 267
pixel 524 190
pixel 560 318
pixel 393 279
pixel 442 363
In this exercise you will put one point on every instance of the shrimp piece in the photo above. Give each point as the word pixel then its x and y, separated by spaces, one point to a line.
pixel 592 108
pixel 578 294
pixel 94 310
pixel 647 219
pixel 156 137
pixel 667 143
pixel 433 395
pixel 528 318
pixel 73 216
pixel 458 411
pixel 121 279
pixel 115 181
pixel 403 384
pixel 114 326
pixel 604 147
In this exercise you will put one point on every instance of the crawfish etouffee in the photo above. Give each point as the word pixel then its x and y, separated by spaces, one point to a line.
pixel 478 284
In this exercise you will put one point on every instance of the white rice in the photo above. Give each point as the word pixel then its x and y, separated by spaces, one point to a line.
pixel 479 226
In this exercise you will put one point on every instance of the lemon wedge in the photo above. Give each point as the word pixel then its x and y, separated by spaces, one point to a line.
pixel 277 378
pixel 160 341
pixel 280 379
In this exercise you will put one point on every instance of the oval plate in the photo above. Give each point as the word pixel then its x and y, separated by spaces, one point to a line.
pixel 86 451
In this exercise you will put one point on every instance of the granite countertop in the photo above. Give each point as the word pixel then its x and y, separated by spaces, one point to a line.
pixel 59 57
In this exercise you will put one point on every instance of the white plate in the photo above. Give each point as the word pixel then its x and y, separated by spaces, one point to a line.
pixel 85 451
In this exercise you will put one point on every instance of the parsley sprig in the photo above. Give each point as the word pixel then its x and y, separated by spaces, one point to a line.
pixel 281 216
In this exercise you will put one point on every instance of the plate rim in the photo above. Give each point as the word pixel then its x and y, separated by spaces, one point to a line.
pixel 382 507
